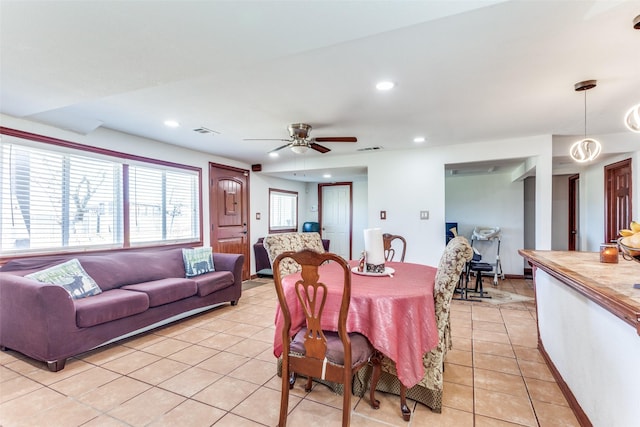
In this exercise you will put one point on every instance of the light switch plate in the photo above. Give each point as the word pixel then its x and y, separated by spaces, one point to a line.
pixel 424 214
pixel 383 214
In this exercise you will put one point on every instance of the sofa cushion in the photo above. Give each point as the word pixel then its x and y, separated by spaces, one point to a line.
pixel 71 276
pixel 212 282
pixel 198 261
pixel 164 291
pixel 130 267
pixel 110 305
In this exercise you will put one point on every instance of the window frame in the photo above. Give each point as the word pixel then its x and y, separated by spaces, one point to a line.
pixel 127 160
pixel 280 229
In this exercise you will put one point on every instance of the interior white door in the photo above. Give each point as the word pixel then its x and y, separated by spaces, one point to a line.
pixel 336 218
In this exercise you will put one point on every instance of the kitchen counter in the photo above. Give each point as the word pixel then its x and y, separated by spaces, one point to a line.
pixel 609 285
pixel 588 317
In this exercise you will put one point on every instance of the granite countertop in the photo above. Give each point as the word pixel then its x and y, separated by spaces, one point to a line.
pixel 610 285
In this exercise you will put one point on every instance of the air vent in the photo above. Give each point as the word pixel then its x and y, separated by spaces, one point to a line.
pixel 377 147
pixel 205 130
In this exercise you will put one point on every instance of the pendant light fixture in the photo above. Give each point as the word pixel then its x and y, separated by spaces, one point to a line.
pixel 587 149
pixel 632 119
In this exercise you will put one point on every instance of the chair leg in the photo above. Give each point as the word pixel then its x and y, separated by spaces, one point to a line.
pixel 406 412
pixel 307 388
pixel 284 397
pixel 375 377
pixel 346 403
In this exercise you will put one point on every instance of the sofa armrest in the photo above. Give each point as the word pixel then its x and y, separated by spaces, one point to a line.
pixel 230 262
pixel 35 317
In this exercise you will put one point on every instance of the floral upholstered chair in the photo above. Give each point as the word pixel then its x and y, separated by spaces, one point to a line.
pixel 429 390
pixel 275 244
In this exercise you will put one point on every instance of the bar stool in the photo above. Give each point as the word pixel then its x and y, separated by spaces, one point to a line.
pixel 478 268
pixel 461 287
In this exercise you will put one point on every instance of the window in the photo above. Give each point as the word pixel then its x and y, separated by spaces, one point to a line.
pixel 56 199
pixel 283 211
pixel 162 205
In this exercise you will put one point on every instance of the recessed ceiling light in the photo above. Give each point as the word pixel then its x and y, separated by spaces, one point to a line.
pixel 418 139
pixel 385 85
pixel 171 123
pixel 273 154
pixel 326 175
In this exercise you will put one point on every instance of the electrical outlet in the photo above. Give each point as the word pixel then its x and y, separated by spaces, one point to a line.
pixel 424 214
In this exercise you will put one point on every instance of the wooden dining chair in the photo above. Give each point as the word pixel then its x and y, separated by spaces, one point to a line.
pixel 389 241
pixel 313 352
pixel 429 389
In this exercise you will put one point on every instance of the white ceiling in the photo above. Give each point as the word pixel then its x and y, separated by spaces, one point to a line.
pixel 466 71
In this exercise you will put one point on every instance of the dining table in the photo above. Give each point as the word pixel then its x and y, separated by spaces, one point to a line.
pixel 394 310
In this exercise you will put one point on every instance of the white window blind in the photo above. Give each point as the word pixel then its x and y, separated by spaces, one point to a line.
pixel 66 200
pixel 163 205
pixel 58 200
pixel 283 210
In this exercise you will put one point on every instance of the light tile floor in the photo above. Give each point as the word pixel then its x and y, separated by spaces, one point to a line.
pixel 218 369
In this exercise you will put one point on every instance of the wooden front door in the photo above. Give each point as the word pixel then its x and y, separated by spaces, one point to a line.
pixel 229 212
pixel 618 202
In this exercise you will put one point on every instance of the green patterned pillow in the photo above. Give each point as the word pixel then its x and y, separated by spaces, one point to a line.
pixel 198 261
pixel 71 276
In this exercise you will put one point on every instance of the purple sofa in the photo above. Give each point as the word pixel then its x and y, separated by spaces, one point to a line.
pixel 140 290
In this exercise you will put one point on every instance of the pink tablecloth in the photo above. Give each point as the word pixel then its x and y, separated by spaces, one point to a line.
pixel 396 313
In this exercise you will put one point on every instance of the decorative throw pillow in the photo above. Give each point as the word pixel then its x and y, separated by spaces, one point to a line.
pixel 198 261
pixel 71 276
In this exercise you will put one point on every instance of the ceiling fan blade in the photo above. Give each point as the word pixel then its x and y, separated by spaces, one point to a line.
pixel 319 147
pixel 266 139
pixel 336 139
pixel 281 147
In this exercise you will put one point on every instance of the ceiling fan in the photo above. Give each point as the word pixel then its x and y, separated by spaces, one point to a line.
pixel 300 141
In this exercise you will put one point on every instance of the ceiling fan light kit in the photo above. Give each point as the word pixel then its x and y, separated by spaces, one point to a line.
pixel 586 149
pixel 299 149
